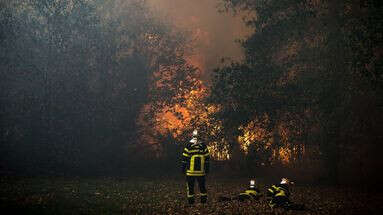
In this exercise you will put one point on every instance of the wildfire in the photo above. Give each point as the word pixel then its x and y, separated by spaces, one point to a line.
pixel 168 120
pixel 284 155
pixel 218 153
pixel 253 132
pixel 177 118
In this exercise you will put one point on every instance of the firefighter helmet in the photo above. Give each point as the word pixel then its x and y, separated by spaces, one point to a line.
pixel 195 133
pixel 193 140
pixel 252 183
pixel 285 181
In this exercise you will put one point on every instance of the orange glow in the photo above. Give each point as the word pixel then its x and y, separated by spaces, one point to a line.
pixel 207 42
pixel 212 33
pixel 290 148
pixel 177 118
pixel 218 154
pixel 255 133
pixel 168 120
pixel 197 61
pixel 284 155
pixel 252 133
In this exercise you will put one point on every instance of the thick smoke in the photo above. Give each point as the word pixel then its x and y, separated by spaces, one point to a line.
pixel 214 33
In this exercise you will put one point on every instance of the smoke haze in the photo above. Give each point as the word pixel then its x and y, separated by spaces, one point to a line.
pixel 214 33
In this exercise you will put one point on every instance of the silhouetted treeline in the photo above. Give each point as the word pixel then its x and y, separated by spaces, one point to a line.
pixel 312 73
pixel 83 85
pixel 74 77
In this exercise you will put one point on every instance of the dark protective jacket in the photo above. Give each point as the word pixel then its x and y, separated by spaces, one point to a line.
pixel 278 190
pixel 279 195
pixel 251 193
pixel 195 159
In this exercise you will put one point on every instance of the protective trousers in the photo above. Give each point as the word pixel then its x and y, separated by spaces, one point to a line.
pixel 190 188
pixel 279 201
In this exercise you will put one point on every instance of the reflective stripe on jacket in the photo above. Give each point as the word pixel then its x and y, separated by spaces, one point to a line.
pixel 195 159
pixel 251 193
pixel 279 190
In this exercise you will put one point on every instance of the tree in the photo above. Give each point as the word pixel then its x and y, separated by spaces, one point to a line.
pixel 75 76
pixel 301 61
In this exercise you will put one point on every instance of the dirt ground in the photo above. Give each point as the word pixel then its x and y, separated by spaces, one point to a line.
pixel 53 195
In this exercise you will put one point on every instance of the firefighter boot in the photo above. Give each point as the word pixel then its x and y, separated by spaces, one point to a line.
pixel 191 200
pixel 203 198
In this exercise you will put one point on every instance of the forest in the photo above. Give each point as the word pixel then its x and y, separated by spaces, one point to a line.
pixel 97 88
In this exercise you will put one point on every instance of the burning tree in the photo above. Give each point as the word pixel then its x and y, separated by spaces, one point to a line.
pixel 298 73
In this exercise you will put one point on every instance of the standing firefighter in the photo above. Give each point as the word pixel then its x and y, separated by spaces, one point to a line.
pixel 195 163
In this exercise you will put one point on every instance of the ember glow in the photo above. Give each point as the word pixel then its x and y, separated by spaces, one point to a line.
pixel 124 89
pixel 217 153
pixel 211 41
pixel 253 133
pixel 168 120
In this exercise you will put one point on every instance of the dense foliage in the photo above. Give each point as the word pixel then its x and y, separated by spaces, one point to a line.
pixel 312 69
pixel 74 78
pixel 103 87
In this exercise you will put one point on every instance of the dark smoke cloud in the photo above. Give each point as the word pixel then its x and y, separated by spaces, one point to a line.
pixel 215 33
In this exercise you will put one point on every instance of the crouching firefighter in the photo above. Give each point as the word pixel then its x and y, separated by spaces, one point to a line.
pixel 279 196
pixel 252 193
pixel 195 164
